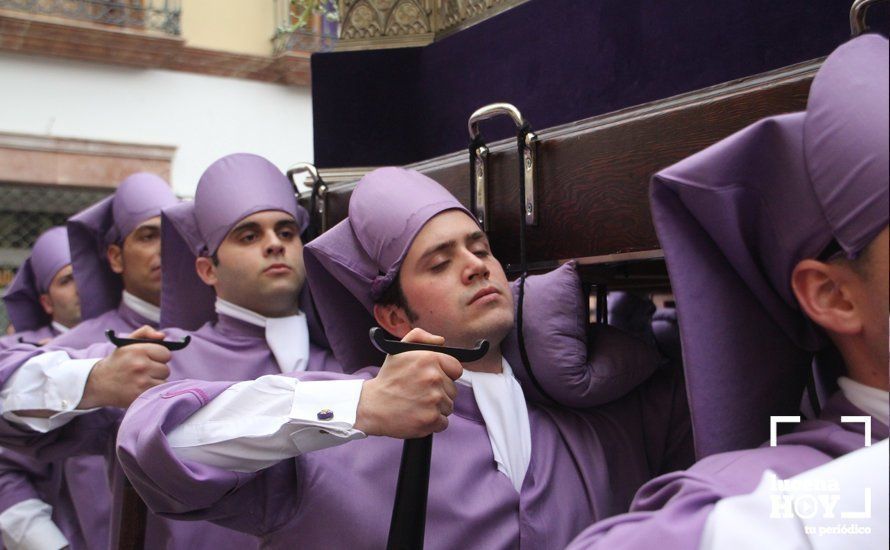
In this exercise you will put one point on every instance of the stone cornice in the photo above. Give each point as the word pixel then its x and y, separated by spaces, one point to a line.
pixel 84 41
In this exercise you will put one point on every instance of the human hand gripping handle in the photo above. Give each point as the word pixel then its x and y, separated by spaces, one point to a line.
pixel 137 365
pixel 406 529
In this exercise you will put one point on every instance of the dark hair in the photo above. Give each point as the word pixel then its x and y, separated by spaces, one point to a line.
pixel 860 265
pixel 393 296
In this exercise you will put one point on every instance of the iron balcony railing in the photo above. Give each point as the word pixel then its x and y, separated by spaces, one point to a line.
pixel 318 34
pixel 156 15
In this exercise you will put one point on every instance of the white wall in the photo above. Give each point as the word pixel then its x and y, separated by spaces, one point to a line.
pixel 204 117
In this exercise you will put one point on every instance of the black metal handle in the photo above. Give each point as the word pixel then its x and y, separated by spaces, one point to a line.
pixel 170 345
pixel 394 347
pixel 408 523
pixel 134 514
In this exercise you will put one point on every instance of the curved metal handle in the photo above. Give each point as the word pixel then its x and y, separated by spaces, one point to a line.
pixel 319 191
pixel 479 169
pixel 169 344
pixel 491 111
pixel 394 347
pixel 858 11
pixel 300 168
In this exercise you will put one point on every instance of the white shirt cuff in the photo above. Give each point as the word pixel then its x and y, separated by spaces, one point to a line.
pixel 256 424
pixel 48 382
pixel 28 525
pixel 325 411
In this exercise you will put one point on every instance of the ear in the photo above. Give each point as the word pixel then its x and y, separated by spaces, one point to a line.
pixel 115 258
pixel 46 302
pixel 393 320
pixel 206 270
pixel 824 294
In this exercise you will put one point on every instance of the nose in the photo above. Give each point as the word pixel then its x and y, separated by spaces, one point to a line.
pixel 274 245
pixel 475 268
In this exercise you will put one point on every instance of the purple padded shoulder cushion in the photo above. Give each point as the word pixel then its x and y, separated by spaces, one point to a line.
pixel 572 368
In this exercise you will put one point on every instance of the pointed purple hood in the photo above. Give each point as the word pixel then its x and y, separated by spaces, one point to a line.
pixel 22 298
pixel 138 198
pixel 737 217
pixel 354 262
pixel 231 189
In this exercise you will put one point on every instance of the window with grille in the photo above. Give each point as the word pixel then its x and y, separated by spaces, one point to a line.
pixel 26 211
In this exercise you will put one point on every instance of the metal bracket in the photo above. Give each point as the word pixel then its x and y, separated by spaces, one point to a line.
pixel 529 160
pixel 319 189
pixel 858 12
pixel 479 155
pixel 479 199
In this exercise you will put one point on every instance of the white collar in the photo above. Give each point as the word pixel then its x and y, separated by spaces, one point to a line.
pixel 59 327
pixel 502 404
pixel 287 337
pixel 240 313
pixel 869 400
pixel 143 308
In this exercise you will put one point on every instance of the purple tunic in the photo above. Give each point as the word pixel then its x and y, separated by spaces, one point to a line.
pixel 33 337
pixel 229 349
pixel 79 479
pixel 585 465
pixel 673 508
pixel 138 198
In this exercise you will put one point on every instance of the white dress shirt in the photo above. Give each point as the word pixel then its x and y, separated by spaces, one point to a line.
pixel 256 424
pixel 28 525
pixel 871 401
pixel 502 404
pixel 53 381
pixel 143 308
pixel 287 337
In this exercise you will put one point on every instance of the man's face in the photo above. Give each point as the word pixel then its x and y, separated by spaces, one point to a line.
pixel 871 291
pixel 454 285
pixel 61 301
pixel 138 261
pixel 260 264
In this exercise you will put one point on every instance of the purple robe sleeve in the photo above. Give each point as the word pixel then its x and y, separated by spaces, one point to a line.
pixel 85 434
pixel 671 510
pixel 17 475
pixel 186 490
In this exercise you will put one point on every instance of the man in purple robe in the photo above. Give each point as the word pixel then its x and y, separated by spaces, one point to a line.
pixel 42 300
pixel 506 469
pixel 233 275
pixel 776 240
pixel 115 256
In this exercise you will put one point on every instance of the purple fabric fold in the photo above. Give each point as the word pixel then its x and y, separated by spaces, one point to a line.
pixel 736 218
pixel 139 197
